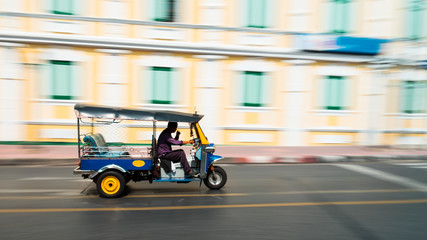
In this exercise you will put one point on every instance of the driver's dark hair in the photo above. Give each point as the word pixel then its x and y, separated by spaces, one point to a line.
pixel 172 124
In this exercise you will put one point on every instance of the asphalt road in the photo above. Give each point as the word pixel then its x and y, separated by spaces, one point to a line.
pixel 313 201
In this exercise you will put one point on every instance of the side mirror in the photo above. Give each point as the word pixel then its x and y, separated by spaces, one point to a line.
pixel 210 149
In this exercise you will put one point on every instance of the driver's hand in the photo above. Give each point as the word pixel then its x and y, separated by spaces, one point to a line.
pixel 178 133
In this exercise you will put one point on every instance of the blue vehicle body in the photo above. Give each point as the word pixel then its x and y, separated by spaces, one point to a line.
pixel 95 164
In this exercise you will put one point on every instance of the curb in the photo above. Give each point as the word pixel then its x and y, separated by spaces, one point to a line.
pixel 321 159
pixel 39 161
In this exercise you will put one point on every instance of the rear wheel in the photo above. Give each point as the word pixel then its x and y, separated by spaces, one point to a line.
pixel 216 179
pixel 111 184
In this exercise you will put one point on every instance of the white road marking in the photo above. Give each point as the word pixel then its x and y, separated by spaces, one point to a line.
pixel 413 165
pixel 72 179
pixel 46 178
pixel 420 167
pixel 385 176
pixel 410 164
pixel 40 191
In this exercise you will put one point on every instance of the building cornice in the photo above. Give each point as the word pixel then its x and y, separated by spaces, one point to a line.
pixel 132 44
pixel 146 23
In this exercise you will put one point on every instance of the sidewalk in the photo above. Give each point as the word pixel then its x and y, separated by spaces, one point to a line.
pixel 323 154
pixel 67 155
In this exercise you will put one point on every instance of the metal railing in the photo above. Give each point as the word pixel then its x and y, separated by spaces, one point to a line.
pixel 138 152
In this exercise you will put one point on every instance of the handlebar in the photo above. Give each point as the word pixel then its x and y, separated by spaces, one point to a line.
pixel 196 143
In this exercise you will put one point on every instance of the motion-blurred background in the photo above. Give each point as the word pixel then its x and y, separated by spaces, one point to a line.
pixel 263 72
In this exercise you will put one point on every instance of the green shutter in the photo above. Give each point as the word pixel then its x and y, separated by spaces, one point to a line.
pixel 340 12
pixel 415 22
pixel 335 94
pixel 335 16
pixel 335 90
pixel 407 96
pixel 159 10
pixel 345 15
pixel 64 7
pixel 61 80
pixel 327 91
pixel 423 97
pixel 418 99
pixel 253 89
pixel 164 10
pixel 161 85
pixel 404 97
pixel 414 97
pixel 256 13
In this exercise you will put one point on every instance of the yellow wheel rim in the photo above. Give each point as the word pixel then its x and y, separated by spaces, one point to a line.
pixel 110 185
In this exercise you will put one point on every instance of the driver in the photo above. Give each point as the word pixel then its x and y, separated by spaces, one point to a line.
pixel 164 149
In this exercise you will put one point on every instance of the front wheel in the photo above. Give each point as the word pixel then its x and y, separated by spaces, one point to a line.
pixel 216 179
pixel 111 184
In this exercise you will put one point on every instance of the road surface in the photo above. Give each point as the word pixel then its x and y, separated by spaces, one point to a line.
pixel 304 201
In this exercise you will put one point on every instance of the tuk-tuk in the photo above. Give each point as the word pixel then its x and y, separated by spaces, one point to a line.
pixel 117 145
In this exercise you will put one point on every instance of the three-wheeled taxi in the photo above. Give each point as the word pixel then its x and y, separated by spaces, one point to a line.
pixel 117 145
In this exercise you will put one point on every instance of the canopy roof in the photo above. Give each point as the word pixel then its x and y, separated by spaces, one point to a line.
pixel 96 111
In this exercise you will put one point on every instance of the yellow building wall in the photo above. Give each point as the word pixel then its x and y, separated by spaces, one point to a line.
pixel 393 138
pixel 38 109
pixel 312 138
pixel 230 136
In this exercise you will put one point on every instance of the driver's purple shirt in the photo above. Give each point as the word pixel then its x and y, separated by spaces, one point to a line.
pixel 164 144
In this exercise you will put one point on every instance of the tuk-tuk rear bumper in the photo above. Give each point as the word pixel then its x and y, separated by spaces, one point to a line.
pixel 84 173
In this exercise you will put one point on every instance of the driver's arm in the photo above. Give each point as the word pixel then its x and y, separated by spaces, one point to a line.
pixel 179 142
pixel 188 142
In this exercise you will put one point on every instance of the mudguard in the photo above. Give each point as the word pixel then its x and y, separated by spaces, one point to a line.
pixel 108 167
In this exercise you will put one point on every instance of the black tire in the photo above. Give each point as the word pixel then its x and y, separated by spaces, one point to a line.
pixel 217 180
pixel 111 184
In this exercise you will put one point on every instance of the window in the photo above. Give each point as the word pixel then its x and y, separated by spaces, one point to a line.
pixel 414 97
pixel 257 13
pixel 64 7
pixel 253 86
pixel 340 16
pixel 416 21
pixel 162 85
pixel 164 10
pixel 335 89
pixel 61 79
